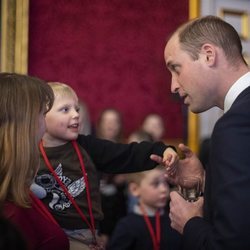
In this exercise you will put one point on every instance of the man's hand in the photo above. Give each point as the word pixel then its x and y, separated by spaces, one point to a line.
pixel 181 211
pixel 190 165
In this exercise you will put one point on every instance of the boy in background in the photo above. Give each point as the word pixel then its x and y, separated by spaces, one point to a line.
pixel 148 226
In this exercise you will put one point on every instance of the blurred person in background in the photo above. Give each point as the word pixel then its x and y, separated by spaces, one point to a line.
pixel 112 186
pixel 147 227
pixel 109 125
pixel 154 125
pixel 136 136
pixel 84 119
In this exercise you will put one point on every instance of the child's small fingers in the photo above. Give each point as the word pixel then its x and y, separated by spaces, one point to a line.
pixel 156 158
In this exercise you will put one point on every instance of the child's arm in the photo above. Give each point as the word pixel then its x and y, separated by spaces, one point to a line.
pixel 115 158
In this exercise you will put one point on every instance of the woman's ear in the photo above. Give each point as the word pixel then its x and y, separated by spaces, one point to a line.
pixel 134 189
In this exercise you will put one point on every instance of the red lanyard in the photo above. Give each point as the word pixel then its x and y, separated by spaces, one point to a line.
pixel 156 236
pixel 39 206
pixel 90 224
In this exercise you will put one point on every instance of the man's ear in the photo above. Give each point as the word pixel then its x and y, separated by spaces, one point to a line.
pixel 209 53
pixel 134 189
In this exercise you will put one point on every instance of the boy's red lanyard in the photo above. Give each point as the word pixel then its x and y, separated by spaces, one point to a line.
pixel 39 206
pixel 91 225
pixel 156 236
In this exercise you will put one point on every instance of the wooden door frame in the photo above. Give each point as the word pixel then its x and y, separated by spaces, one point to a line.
pixel 14 35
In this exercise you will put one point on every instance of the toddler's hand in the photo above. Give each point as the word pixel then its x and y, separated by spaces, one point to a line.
pixel 169 160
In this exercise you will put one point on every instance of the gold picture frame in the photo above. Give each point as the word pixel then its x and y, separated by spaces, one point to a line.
pixel 14 35
pixel 193 128
pixel 239 19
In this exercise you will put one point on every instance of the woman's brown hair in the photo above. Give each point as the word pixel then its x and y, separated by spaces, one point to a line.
pixel 22 100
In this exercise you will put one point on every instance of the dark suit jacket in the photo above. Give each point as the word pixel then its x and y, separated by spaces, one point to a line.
pixel 226 223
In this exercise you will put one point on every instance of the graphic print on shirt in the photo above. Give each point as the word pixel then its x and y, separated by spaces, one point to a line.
pixel 59 201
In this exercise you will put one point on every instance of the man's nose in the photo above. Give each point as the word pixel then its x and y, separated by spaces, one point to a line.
pixel 174 85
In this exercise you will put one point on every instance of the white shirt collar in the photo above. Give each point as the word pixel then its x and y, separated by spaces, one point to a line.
pixel 241 84
pixel 148 211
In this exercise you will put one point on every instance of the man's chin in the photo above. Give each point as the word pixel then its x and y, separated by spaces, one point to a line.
pixel 196 110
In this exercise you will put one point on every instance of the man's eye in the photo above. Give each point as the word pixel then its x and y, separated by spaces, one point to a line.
pixel 175 69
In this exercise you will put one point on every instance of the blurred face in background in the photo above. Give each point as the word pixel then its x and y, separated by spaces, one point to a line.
pixel 153 190
pixel 154 125
pixel 110 125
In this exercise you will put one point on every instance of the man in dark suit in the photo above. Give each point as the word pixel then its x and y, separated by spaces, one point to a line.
pixel 205 59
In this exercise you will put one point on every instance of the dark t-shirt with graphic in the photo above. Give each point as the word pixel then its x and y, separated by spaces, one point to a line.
pixel 67 167
pixel 101 155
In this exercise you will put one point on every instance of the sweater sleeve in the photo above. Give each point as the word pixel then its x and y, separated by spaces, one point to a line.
pixel 115 158
pixel 195 235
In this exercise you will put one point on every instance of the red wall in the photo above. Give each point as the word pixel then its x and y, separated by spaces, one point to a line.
pixel 111 53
